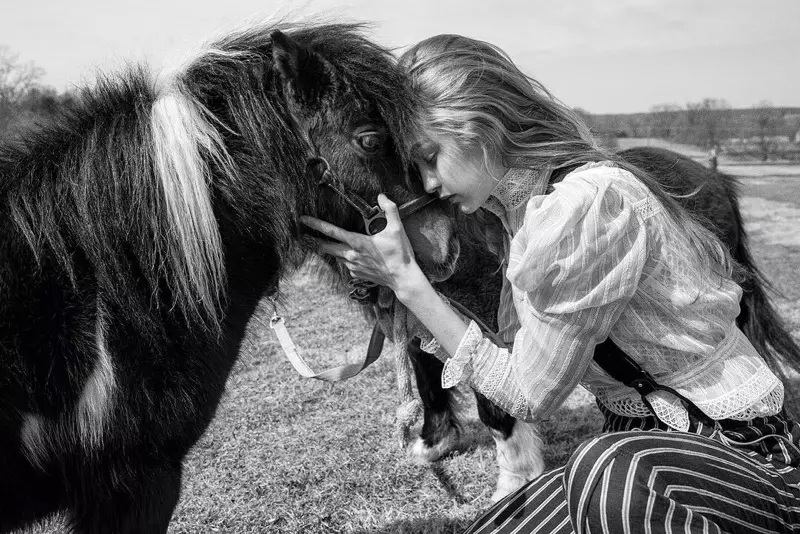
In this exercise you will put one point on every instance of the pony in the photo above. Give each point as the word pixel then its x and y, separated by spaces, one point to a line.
pixel 710 196
pixel 142 227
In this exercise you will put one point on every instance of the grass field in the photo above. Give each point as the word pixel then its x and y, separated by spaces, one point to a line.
pixel 288 455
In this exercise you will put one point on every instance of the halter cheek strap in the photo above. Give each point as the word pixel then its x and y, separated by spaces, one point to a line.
pixel 373 216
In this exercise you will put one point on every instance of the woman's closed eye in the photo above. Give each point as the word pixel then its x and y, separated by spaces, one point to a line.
pixel 430 159
pixel 427 152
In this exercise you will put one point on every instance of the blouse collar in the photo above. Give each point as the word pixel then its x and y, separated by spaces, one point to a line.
pixel 515 188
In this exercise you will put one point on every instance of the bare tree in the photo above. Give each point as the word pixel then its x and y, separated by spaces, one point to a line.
pixel 706 121
pixel 665 120
pixel 768 120
pixel 17 79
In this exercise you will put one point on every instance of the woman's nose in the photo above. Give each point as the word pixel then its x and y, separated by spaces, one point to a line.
pixel 430 182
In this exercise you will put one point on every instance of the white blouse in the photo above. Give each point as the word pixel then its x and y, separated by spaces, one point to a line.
pixel 599 257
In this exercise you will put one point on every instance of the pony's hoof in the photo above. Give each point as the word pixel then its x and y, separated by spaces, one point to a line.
pixel 508 483
pixel 423 454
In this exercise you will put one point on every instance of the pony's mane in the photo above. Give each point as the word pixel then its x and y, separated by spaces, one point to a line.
pixel 124 174
pixel 124 177
pixel 183 143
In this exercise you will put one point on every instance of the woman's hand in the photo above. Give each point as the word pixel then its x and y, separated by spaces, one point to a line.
pixel 385 258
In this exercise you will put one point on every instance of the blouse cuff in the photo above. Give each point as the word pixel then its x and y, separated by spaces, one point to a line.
pixel 431 346
pixel 458 369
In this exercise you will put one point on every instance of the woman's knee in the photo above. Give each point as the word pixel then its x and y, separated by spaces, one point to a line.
pixel 596 467
pixel 593 455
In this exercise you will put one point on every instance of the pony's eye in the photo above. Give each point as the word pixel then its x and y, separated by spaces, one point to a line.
pixel 369 142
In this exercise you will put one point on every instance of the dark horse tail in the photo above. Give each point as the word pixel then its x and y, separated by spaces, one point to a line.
pixel 758 318
pixel 713 197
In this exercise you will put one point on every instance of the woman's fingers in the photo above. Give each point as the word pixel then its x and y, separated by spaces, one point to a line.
pixel 339 250
pixel 381 258
pixel 332 231
pixel 390 208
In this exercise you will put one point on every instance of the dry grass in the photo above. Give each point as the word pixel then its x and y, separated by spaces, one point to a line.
pixel 287 455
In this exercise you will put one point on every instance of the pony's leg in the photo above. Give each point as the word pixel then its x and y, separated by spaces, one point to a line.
pixel 519 448
pixel 143 505
pixel 27 494
pixel 440 429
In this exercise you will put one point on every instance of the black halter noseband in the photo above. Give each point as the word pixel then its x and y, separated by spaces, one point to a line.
pixel 373 216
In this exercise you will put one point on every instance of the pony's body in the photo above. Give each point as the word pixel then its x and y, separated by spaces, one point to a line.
pixel 710 196
pixel 140 231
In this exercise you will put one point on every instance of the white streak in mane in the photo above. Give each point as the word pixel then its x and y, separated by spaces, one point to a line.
pixel 34 438
pixel 96 403
pixel 183 140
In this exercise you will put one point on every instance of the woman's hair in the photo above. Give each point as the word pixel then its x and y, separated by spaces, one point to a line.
pixel 473 92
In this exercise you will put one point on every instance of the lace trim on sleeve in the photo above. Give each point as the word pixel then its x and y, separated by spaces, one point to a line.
pixel 431 346
pixel 458 369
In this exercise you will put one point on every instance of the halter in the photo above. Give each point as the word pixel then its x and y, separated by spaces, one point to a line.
pixel 373 216
pixel 374 221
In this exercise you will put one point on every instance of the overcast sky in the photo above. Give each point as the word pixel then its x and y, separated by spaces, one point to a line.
pixel 602 55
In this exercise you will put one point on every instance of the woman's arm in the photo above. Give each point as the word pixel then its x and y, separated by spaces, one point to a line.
pixel 577 258
pixel 425 303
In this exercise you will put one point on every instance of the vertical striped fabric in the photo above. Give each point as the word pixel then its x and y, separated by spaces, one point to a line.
pixel 643 477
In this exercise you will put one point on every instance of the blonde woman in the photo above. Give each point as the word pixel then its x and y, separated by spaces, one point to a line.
pixel 594 249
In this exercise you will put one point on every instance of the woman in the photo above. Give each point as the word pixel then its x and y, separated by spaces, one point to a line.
pixel 593 249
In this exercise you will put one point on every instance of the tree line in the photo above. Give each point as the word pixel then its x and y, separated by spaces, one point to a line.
pixel 23 98
pixel 762 132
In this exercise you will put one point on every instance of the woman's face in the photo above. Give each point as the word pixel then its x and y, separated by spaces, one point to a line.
pixel 457 174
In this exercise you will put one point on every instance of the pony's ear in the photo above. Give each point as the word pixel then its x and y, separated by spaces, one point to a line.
pixel 304 72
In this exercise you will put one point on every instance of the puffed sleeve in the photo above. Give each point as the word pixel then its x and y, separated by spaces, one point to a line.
pixel 575 263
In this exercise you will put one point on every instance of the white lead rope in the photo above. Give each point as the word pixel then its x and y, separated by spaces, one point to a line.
pixel 335 374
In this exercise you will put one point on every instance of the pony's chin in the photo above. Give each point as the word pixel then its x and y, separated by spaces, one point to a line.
pixel 441 271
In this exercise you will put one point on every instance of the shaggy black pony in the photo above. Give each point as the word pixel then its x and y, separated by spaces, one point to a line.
pixel 712 197
pixel 139 232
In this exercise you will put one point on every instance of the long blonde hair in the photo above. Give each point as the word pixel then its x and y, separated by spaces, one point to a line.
pixel 473 92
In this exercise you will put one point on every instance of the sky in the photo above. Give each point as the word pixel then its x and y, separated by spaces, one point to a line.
pixel 605 56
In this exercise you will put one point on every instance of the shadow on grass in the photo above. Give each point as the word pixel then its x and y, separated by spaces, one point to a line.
pixel 428 525
pixel 474 435
pixel 447 483
pixel 566 430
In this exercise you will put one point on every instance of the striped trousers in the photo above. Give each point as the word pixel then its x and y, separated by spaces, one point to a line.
pixel 640 477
